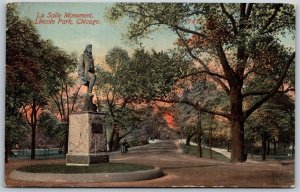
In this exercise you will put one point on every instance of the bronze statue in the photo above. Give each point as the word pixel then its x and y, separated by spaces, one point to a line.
pixel 86 69
pixel 87 77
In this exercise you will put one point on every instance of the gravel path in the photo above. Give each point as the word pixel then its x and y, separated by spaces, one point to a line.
pixel 180 170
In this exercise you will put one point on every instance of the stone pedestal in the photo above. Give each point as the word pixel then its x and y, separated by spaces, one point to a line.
pixel 87 139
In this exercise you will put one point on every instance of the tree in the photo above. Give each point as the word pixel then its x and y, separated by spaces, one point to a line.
pixel 36 69
pixel 273 121
pixel 111 85
pixel 53 128
pixel 194 121
pixel 15 130
pixel 231 43
pixel 153 125
pixel 23 68
pixel 59 83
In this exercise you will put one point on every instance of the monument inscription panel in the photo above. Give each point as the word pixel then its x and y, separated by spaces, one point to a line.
pixel 97 128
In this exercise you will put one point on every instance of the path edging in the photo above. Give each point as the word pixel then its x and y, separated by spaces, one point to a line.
pixel 88 177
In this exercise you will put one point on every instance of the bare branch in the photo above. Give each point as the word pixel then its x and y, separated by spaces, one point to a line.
pixel 273 91
pixel 141 31
pixel 75 98
pixel 195 105
pixel 61 100
pixel 247 74
pixel 270 20
pixel 258 93
pixel 206 72
pixel 229 72
pixel 26 115
pixel 202 64
pixel 68 103
pixel 128 132
pixel 56 101
pixel 189 31
pixel 230 17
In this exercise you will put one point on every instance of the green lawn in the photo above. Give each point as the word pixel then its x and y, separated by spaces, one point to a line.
pixel 97 168
pixel 193 150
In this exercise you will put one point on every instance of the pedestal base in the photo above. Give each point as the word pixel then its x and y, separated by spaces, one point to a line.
pixel 86 160
pixel 87 139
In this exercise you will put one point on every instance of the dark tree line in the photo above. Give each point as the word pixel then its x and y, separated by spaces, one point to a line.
pixel 36 71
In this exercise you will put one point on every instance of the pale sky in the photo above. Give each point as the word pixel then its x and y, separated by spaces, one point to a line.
pixel 103 37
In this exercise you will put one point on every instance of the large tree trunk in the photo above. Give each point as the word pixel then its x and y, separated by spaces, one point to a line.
pixel 33 128
pixel 237 126
pixel 268 147
pixel 210 142
pixel 189 137
pixel 228 145
pixel 188 140
pixel 6 152
pixel 264 146
pixel 293 149
pixel 251 148
pixel 111 139
pixel 66 141
pixel 116 140
pixel 200 134
pixel 275 147
pixel 199 139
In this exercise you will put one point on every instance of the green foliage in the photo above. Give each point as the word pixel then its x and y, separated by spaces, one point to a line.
pixel 52 127
pixel 276 118
pixel 141 77
pixel 151 75
pixel 141 26
pixel 36 70
pixel 189 118
pixel 153 124
pixel 34 67
pixel 57 66
pixel 15 130
pixel 239 47
pixel 22 65
pixel 251 36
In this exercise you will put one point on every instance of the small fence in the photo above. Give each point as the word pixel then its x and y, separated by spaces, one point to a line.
pixel 53 153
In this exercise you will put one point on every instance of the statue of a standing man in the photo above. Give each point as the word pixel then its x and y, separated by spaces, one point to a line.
pixel 86 69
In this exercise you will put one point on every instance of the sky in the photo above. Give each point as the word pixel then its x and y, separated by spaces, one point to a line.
pixel 74 38
pixel 103 36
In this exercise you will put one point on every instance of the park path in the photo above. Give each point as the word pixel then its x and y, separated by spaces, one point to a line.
pixel 181 170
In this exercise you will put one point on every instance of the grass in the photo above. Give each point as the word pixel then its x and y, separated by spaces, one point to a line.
pixel 97 168
pixel 193 150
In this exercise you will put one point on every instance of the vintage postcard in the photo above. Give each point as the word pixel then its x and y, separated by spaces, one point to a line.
pixel 140 94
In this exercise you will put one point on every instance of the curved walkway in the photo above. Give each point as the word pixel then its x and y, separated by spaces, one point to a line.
pixel 180 170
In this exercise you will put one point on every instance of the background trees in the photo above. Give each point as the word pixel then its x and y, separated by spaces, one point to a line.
pixel 126 83
pixel 36 70
pixel 23 70
pixel 274 124
pixel 242 40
